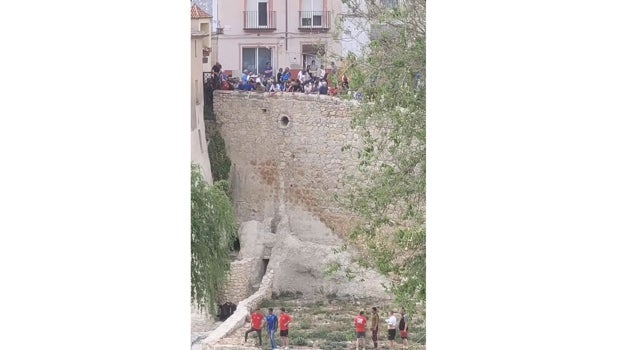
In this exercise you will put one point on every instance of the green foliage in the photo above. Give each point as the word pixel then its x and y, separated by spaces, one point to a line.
pixel 222 185
pixel 219 161
pixel 335 345
pixel 299 341
pixel 267 303
pixel 305 324
pixel 389 190
pixel 287 295
pixel 318 311
pixel 418 335
pixel 339 336
pixel 328 323
pixel 331 268
pixel 212 233
pixel 319 332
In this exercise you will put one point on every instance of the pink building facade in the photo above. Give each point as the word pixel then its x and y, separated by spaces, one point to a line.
pixel 285 33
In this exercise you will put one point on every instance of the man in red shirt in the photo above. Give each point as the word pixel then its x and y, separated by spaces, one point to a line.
pixel 257 319
pixel 284 321
pixel 360 330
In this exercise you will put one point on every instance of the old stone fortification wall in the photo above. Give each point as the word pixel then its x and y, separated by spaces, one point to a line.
pixel 243 310
pixel 287 164
pixel 298 161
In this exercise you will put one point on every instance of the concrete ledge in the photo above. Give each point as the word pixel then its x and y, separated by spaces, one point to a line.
pixel 286 96
pixel 238 318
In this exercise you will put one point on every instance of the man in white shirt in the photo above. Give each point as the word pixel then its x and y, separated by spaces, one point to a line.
pixel 273 86
pixel 321 72
pixel 392 323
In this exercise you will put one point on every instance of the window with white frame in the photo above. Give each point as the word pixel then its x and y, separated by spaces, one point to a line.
pixel 311 13
pixel 313 56
pixel 258 16
pixel 255 59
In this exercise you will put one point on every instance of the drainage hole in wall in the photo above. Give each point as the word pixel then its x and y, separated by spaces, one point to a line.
pixel 284 121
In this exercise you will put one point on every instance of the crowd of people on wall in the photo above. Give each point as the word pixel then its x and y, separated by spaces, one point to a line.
pixel 321 81
pixel 308 81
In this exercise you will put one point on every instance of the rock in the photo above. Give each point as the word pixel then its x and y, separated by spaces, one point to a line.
pixel 302 256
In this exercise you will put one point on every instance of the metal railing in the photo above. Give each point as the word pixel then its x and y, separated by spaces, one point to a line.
pixel 314 19
pixel 259 20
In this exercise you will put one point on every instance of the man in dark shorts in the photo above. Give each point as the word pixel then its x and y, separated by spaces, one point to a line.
pixel 374 326
pixel 257 319
pixel 404 327
pixel 392 324
pixel 360 330
pixel 284 321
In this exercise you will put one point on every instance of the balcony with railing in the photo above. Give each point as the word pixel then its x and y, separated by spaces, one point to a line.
pixel 259 20
pixel 314 20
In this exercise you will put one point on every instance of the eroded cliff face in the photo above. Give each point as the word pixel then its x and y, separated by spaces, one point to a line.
pixel 302 261
pixel 287 162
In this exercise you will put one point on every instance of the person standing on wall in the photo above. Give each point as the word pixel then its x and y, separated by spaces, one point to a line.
pixel 360 330
pixel 271 322
pixel 392 323
pixel 257 319
pixel 374 326
pixel 284 321
pixel 216 74
pixel 403 327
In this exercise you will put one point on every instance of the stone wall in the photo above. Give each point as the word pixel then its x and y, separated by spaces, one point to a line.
pixel 238 285
pixel 243 310
pixel 288 160
pixel 287 148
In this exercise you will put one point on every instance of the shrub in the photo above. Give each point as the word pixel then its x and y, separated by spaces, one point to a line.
pixel 339 336
pixel 305 324
pixel 299 341
pixel 219 161
pixel 336 345
pixel 418 335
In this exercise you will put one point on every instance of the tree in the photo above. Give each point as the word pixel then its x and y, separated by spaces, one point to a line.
pixel 389 194
pixel 212 234
pixel 219 161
